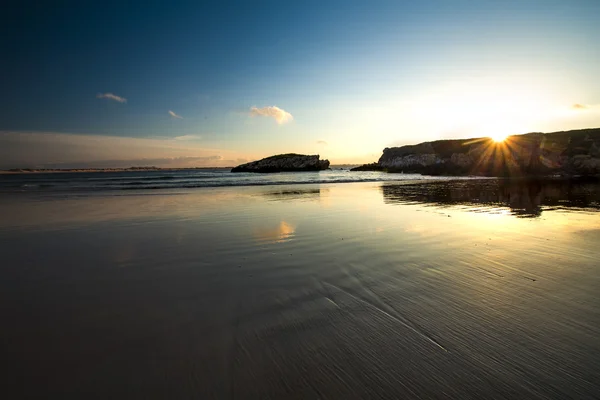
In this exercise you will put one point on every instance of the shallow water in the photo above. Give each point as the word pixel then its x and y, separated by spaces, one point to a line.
pixel 90 182
pixel 381 290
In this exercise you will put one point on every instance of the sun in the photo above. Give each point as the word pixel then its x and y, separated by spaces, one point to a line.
pixel 499 137
pixel 499 132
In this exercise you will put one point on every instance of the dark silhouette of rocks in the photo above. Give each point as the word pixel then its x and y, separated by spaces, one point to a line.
pixel 284 163
pixel 369 167
pixel 568 153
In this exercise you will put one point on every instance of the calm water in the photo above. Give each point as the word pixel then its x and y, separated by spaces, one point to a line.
pixel 441 289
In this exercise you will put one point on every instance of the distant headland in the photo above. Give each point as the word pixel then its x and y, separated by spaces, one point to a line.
pixel 566 153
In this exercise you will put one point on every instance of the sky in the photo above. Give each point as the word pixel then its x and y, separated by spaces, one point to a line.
pixel 187 84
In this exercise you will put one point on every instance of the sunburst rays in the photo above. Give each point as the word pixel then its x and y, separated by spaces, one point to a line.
pixel 496 158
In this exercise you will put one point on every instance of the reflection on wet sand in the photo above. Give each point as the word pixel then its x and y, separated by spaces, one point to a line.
pixel 525 198
pixel 224 293
pixel 296 193
pixel 281 233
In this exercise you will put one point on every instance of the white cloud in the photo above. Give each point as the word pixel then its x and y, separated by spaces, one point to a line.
pixel 188 137
pixel 280 115
pixel 322 142
pixel 172 114
pixel 111 96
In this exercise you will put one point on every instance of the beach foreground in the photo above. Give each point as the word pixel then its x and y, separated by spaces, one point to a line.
pixel 472 289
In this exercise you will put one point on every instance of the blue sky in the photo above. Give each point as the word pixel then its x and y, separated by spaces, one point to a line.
pixel 214 84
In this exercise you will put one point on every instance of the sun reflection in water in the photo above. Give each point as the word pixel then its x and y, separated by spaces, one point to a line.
pixel 282 233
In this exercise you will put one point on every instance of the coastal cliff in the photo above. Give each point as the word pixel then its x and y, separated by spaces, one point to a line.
pixel 566 153
pixel 284 163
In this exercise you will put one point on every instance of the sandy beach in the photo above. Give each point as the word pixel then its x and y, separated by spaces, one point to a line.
pixel 356 290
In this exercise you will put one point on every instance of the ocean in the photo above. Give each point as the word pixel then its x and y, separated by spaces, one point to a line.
pixel 181 179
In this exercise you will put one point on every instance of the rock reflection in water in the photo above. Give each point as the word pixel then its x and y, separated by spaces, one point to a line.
pixel 525 198
pixel 296 193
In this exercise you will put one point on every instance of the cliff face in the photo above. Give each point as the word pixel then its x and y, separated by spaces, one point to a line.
pixel 567 153
pixel 283 163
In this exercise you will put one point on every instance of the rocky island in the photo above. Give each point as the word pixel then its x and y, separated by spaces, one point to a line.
pixel 567 153
pixel 284 163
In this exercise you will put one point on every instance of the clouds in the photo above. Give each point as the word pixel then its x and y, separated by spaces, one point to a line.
pixel 322 142
pixel 119 99
pixel 59 150
pixel 188 137
pixel 164 162
pixel 111 96
pixel 278 114
pixel 585 107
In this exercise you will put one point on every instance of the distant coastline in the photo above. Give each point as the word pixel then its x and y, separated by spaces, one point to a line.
pixel 87 170
pixel 128 169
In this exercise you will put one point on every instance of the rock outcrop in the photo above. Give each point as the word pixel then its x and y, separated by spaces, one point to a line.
pixel 369 167
pixel 567 153
pixel 284 163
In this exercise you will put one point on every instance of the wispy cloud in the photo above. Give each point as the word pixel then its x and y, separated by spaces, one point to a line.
pixel 280 115
pixel 53 150
pixel 585 107
pixel 188 137
pixel 111 96
pixel 172 114
pixel 322 142
pixel 165 162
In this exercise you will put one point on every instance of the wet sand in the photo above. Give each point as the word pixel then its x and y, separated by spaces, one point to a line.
pixel 431 290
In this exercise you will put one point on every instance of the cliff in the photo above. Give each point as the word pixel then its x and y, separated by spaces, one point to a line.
pixel 284 163
pixel 567 153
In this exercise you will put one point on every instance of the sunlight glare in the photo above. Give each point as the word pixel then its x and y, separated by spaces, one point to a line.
pixel 499 137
